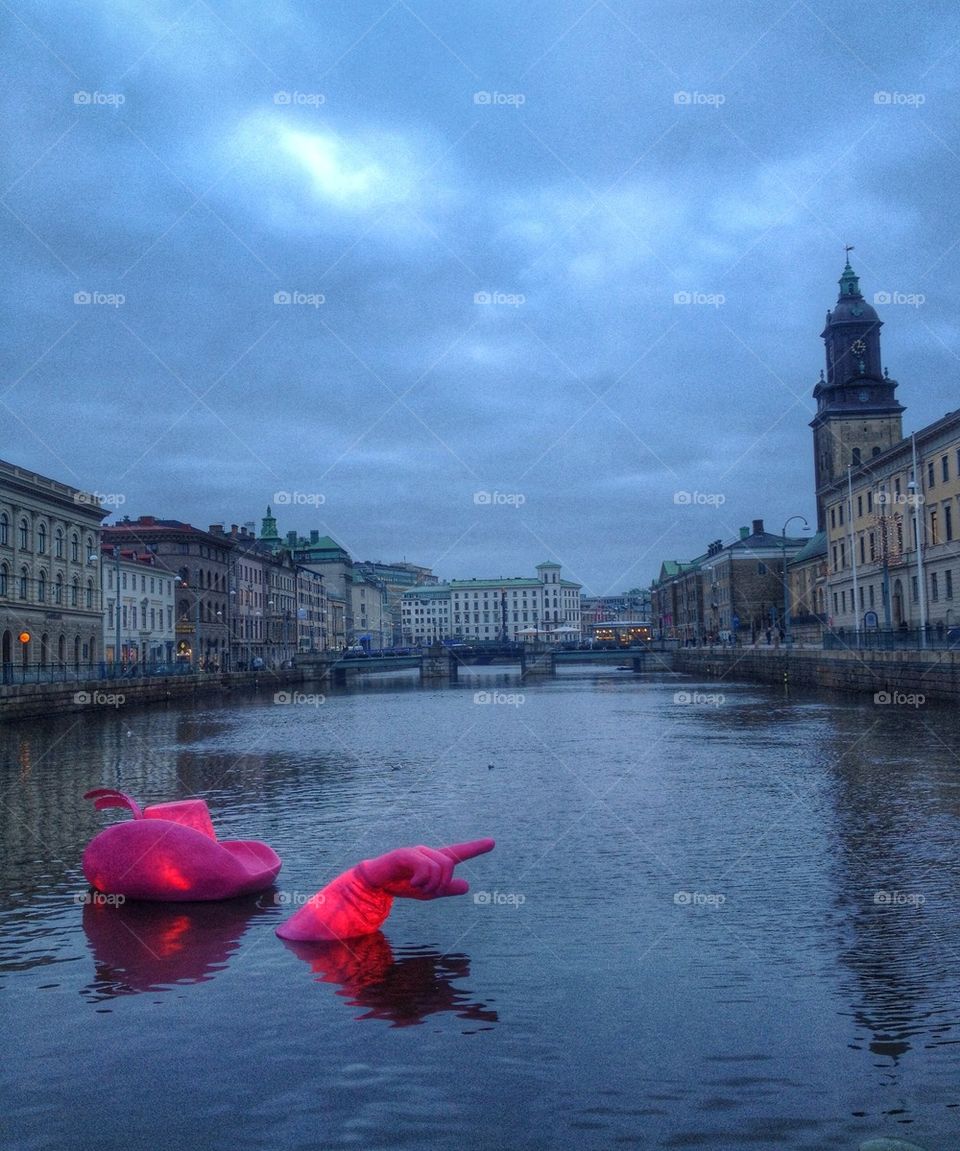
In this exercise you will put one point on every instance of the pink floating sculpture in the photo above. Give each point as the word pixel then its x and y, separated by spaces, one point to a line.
pixel 358 901
pixel 170 852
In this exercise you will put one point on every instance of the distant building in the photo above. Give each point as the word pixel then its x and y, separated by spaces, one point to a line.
pixel 372 622
pixel 199 561
pixel 516 609
pixel 51 615
pixel 396 578
pixel 134 583
pixel 732 590
pixel 632 607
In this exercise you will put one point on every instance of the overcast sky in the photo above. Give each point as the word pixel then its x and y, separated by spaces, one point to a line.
pixel 546 264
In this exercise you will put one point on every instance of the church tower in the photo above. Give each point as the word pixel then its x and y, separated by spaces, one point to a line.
pixel 858 415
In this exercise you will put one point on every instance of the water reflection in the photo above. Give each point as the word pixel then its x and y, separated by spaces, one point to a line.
pixel 139 947
pixel 402 990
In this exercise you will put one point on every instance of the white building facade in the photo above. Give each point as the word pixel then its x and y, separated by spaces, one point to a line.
pixel 517 609
pixel 146 603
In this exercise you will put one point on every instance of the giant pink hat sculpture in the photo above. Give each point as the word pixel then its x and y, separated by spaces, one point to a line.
pixel 169 852
pixel 358 901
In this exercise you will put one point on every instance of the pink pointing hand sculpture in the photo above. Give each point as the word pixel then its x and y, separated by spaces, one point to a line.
pixel 358 901
pixel 170 852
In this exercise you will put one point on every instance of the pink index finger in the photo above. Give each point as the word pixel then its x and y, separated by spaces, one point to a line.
pixel 461 851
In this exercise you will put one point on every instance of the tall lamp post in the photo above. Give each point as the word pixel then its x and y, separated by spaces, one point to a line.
pixel 786 583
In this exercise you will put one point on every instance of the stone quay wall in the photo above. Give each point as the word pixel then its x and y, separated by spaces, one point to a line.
pixel 33 700
pixel 935 675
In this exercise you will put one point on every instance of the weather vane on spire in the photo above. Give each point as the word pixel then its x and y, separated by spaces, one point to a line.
pixel 848 248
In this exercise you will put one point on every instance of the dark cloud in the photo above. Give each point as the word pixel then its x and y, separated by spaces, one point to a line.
pixel 572 256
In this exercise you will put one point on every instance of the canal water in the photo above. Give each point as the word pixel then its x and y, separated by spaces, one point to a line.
pixel 710 920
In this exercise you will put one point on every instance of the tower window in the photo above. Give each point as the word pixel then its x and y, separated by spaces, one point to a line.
pixel 856 456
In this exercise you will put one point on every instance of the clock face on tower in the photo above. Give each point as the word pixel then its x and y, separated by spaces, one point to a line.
pixel 858 347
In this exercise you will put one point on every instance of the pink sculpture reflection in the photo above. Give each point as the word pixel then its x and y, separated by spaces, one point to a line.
pixel 358 901
pixel 170 853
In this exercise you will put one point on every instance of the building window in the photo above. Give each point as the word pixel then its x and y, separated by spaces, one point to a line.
pixel 4 529
pixel 947 522
pixel 948 584
pixel 934 587
pixel 761 570
pixel 3 579
pixel 58 590
pixel 869 502
pixel 933 526
pixel 75 548
pixel 930 477
pixel 833 517
pixel 23 535
pixel 862 550
pixel 870 590
pixel 42 588
pixel 75 594
pixel 42 539
pixel 58 544
pixel 945 468
pixel 22 589
pixel 89 594
pixel 914 589
pixel 856 457
pixel 859 506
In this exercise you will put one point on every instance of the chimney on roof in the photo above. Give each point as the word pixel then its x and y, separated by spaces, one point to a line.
pixel 234 529
pixel 758 527
pixel 147 521
pixel 744 533
pixel 291 539
pixel 216 529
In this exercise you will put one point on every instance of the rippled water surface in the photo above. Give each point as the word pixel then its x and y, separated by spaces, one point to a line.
pixel 726 923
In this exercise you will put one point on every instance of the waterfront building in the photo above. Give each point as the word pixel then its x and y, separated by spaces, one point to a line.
pixel 893 535
pixel 808 572
pixel 515 609
pixel 141 636
pixel 858 416
pixel 51 614
pixel 632 607
pixel 311 611
pixel 396 578
pixel 373 625
pixel 733 590
pixel 199 561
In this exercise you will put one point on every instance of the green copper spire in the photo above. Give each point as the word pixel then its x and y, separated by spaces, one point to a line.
pixel 849 281
pixel 268 526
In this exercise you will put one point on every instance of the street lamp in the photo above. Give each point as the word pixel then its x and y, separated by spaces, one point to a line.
pixel 786 583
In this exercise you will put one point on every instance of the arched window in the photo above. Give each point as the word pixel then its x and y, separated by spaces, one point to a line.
pixel 856 456
pixel 4 528
pixel 22 589
pixel 3 579
pixel 75 548
pixel 75 594
pixel 58 589
pixel 89 594
pixel 42 538
pixel 62 649
pixel 76 652
pixel 89 545
pixel 133 616
pixel 58 544
pixel 42 587
pixel 875 452
pixel 23 536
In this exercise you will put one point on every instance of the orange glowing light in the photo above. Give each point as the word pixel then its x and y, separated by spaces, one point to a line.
pixel 24 637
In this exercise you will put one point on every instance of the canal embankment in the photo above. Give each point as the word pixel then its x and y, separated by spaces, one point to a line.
pixel 32 700
pixel 932 675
